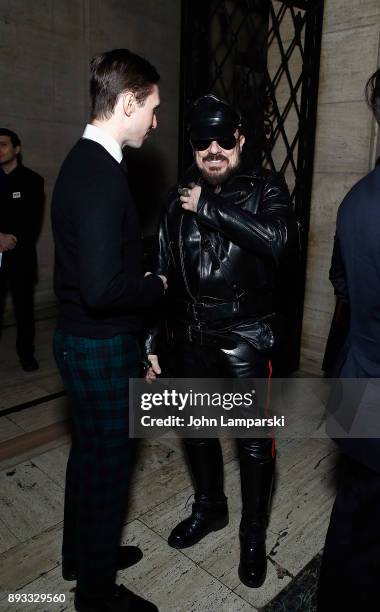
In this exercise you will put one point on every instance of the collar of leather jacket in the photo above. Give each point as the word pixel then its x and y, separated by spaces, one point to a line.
pixel 242 180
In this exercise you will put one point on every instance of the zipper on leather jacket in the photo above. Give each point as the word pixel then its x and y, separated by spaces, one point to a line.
pixel 180 244
pixel 171 253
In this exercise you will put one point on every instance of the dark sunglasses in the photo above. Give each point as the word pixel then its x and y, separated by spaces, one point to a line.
pixel 226 142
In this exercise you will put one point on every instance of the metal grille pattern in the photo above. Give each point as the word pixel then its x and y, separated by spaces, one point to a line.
pixel 284 77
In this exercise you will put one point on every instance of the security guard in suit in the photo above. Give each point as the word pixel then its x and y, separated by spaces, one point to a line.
pixel 21 211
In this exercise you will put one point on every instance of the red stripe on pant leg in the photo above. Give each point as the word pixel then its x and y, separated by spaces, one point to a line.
pixel 267 405
pixel 268 397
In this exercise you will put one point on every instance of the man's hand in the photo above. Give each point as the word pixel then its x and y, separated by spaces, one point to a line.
pixel 7 242
pixel 164 280
pixel 154 369
pixel 190 201
pixel 162 277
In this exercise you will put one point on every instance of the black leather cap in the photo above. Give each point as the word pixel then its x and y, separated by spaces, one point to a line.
pixel 210 118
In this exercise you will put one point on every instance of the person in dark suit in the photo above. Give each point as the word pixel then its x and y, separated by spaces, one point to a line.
pixel 351 559
pixel 101 287
pixel 21 211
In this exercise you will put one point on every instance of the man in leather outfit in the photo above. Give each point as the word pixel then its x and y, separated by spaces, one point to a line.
pixel 220 243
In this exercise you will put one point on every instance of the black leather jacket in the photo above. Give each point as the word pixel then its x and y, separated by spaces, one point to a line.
pixel 221 262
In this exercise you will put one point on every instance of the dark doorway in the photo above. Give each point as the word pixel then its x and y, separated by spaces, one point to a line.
pixel 263 57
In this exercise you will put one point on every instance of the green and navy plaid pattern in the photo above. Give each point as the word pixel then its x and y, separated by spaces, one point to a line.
pixel 96 376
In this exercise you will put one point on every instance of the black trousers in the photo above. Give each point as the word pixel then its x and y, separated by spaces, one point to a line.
pixel 351 559
pixel 186 360
pixel 19 279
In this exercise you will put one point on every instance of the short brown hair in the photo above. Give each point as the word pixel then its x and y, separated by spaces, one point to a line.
pixel 116 71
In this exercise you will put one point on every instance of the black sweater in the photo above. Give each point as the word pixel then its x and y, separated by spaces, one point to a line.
pixel 99 278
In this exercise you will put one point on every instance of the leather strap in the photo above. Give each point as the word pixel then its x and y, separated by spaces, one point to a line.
pixel 202 337
pixel 206 311
pixel 211 312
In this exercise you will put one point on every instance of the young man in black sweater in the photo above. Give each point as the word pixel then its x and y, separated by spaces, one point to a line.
pixel 100 286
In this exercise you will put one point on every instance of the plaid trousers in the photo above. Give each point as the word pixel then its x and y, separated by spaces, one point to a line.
pixel 96 376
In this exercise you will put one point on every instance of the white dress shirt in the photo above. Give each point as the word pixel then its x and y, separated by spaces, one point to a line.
pixel 95 133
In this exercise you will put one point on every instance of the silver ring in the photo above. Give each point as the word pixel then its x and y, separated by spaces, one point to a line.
pixel 184 191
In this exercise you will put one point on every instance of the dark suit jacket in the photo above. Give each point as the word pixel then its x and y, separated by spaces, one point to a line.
pixel 357 277
pixel 99 277
pixel 21 212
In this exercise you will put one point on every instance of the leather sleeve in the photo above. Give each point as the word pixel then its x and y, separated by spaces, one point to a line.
pixel 264 232
pixel 161 266
pixel 161 260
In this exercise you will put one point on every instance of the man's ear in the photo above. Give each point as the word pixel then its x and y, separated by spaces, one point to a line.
pixel 129 103
pixel 17 149
pixel 241 141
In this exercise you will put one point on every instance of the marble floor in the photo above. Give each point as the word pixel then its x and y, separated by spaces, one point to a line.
pixel 34 443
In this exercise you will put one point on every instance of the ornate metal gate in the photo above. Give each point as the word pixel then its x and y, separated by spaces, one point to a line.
pixel 263 57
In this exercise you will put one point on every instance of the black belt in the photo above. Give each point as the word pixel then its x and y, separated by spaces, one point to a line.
pixel 201 311
pixel 202 337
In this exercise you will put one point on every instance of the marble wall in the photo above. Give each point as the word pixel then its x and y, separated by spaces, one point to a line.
pixel 45 48
pixel 345 150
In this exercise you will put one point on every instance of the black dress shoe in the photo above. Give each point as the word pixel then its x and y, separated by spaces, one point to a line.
pixel 253 559
pixel 205 518
pixel 120 600
pixel 29 364
pixel 127 556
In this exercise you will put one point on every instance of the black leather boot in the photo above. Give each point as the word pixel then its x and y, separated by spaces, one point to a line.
pixel 256 474
pixel 209 510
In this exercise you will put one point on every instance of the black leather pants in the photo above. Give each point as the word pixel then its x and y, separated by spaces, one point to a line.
pixel 185 360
